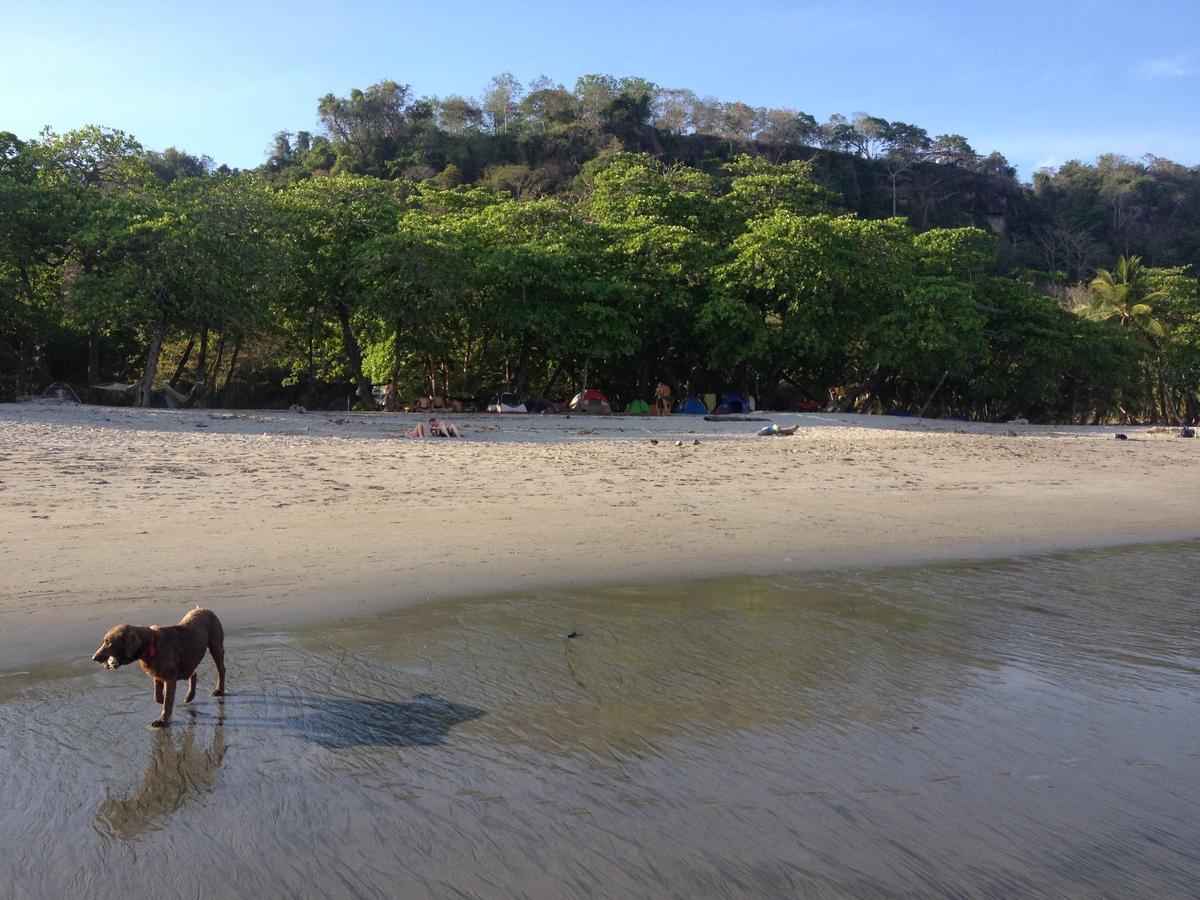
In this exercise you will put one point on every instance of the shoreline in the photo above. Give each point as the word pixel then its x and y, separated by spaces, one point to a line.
pixel 276 519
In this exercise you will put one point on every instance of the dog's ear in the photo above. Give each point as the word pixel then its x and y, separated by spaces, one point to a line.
pixel 133 644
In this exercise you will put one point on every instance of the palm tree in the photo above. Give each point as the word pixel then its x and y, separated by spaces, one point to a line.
pixel 1122 296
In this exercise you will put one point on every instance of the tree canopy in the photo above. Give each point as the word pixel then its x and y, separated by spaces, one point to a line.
pixel 634 233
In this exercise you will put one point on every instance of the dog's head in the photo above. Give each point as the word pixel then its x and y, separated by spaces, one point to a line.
pixel 121 646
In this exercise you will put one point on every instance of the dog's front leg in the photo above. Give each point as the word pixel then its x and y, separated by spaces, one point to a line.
pixel 158 690
pixel 168 705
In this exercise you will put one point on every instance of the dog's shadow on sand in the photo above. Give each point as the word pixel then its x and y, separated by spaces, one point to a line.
pixel 339 723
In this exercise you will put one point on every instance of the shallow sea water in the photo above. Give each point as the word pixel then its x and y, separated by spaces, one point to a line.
pixel 1022 728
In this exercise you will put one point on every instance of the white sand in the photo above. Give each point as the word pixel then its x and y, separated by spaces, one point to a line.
pixel 272 518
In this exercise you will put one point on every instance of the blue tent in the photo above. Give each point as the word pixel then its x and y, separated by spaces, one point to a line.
pixel 692 406
pixel 732 405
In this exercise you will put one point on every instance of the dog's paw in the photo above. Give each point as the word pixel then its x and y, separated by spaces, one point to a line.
pixel 160 723
pixel 219 692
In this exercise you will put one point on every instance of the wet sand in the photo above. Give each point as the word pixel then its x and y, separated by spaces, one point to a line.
pixel 999 729
pixel 276 519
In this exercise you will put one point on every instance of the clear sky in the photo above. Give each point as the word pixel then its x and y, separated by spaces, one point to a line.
pixel 1042 81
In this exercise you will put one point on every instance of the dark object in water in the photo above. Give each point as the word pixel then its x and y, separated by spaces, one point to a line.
pixel 1187 432
pixel 1122 437
pixel 573 634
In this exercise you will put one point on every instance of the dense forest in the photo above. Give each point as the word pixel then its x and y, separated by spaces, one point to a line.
pixel 617 234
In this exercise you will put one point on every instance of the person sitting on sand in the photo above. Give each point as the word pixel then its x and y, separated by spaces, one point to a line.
pixel 442 428
pixel 424 404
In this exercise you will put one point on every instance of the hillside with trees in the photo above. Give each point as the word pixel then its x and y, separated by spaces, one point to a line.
pixel 615 232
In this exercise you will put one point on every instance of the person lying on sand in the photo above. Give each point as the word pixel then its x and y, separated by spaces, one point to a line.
pixel 442 428
pixel 417 430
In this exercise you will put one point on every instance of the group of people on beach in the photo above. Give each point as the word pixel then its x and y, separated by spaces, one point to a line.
pixel 425 403
pixel 442 428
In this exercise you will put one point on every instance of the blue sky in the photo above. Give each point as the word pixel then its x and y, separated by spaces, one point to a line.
pixel 1042 82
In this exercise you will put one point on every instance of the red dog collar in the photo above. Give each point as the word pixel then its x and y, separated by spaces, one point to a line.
pixel 152 649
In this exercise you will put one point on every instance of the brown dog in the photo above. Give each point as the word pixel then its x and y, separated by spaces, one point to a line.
pixel 168 653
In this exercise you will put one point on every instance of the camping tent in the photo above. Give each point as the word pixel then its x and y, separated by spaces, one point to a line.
pixel 692 407
pixel 60 391
pixel 592 402
pixel 638 408
pixel 507 402
pixel 732 405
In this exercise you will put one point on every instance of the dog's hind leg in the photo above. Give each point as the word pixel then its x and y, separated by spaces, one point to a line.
pixel 168 705
pixel 216 649
pixel 191 689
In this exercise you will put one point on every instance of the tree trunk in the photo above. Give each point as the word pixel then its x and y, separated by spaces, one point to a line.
pixel 187 353
pixel 312 362
pixel 522 366
pixel 24 363
pixel 210 373
pixel 93 362
pixel 1168 401
pixel 203 387
pixel 925 408
pixel 227 391
pixel 1151 407
pixel 391 400
pixel 553 378
pixel 146 384
pixel 354 356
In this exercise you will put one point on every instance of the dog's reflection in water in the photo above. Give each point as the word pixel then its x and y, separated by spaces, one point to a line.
pixel 182 765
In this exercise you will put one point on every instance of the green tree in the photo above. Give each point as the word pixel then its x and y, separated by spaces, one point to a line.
pixel 35 220
pixel 459 116
pixel 369 125
pixel 1178 306
pixel 595 94
pixel 1123 295
pixel 328 221
pixel 100 173
pixel 549 106
pixel 501 101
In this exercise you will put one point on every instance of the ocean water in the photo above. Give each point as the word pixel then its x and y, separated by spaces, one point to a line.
pixel 1027 728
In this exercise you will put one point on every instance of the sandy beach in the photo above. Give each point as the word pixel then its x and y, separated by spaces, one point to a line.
pixel 277 518
pixel 664 657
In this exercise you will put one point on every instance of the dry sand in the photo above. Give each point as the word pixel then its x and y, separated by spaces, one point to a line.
pixel 277 518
